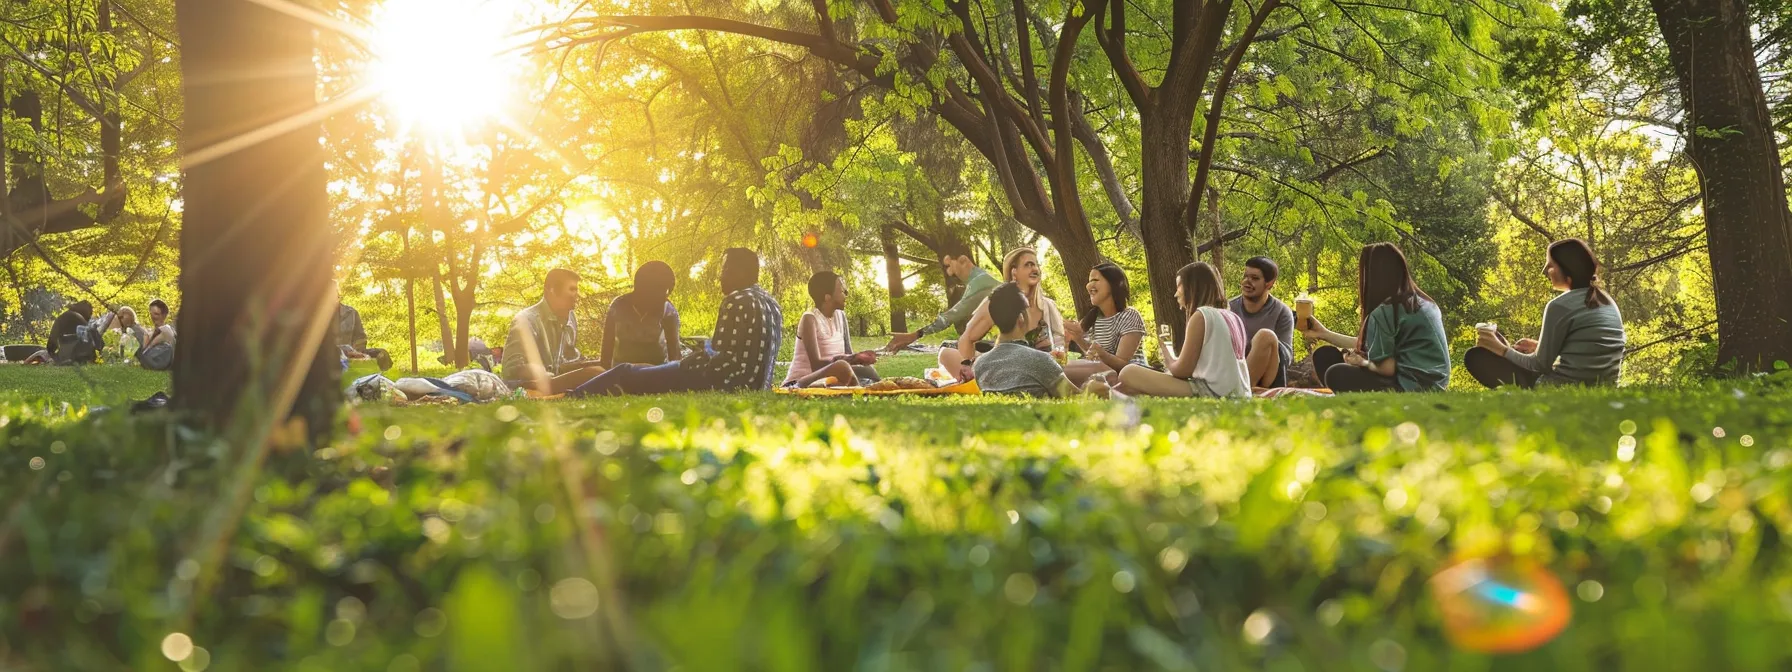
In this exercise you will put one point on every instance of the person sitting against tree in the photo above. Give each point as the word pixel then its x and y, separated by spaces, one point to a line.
pixel 541 351
pixel 351 337
pixel 1402 347
pixel 1111 333
pixel 956 258
pixel 740 355
pixel 642 325
pixel 157 353
pixel 1013 366
pixel 1268 322
pixel 823 346
pixel 67 332
pixel 1582 340
pixel 1045 325
pixel 1211 363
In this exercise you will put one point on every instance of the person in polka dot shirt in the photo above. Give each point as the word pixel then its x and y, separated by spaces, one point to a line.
pixel 739 356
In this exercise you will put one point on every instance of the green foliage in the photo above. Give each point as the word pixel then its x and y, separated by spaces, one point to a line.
pixel 761 532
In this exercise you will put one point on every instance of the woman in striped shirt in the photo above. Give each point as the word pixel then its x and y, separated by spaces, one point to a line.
pixel 1111 332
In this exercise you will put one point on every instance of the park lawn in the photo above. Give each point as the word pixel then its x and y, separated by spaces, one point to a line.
pixel 762 532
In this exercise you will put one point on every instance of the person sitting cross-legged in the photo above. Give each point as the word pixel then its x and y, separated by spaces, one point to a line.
pixel 1112 333
pixel 1014 366
pixel 1211 363
pixel 1582 341
pixel 823 346
pixel 541 352
pixel 1401 346
pixel 642 325
pixel 157 353
pixel 739 356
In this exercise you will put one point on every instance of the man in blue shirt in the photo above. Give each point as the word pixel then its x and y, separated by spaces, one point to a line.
pixel 739 356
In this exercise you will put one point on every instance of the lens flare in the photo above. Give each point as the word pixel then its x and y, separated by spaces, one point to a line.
pixel 1500 605
pixel 810 240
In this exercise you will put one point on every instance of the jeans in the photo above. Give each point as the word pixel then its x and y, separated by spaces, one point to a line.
pixel 1493 370
pixel 637 379
pixel 1342 377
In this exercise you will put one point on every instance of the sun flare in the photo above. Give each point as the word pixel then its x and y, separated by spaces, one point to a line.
pixel 443 66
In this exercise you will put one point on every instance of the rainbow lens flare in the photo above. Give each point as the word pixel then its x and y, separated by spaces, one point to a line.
pixel 1500 605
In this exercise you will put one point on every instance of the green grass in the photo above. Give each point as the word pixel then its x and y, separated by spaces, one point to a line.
pixel 760 532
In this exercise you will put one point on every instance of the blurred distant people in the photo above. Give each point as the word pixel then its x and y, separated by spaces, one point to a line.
pixel 740 354
pixel 71 338
pixel 158 351
pixel 541 352
pixel 351 337
pixel 131 335
pixel 642 325
pixel 823 346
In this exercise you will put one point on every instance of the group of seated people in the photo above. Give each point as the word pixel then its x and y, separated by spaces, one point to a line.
pixel 77 337
pixel 1228 347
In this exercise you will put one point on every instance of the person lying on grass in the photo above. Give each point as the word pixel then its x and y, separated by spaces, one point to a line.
pixel 1582 341
pixel 1111 332
pixel 1211 363
pixel 1045 325
pixel 740 356
pixel 1402 347
pixel 1014 366
pixel 541 351
pixel 823 348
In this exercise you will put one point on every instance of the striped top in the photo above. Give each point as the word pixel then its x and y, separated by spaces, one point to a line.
pixel 1108 330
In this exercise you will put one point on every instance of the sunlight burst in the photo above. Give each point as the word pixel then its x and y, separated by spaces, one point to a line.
pixel 443 66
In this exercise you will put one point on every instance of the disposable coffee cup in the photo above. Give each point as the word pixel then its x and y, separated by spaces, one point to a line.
pixel 1303 311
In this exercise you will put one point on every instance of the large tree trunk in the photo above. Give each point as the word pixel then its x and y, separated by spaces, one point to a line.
pixel 1730 139
pixel 1164 189
pixel 463 320
pixel 255 249
pixel 893 271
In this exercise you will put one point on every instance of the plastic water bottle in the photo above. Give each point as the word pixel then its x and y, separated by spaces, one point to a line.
pixel 127 344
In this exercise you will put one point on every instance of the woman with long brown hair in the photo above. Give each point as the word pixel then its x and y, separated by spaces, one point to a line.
pixel 1401 345
pixel 1211 363
pixel 1582 340
pixel 1111 332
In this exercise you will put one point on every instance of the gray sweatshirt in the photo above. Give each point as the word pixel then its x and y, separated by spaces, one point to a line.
pixel 1578 344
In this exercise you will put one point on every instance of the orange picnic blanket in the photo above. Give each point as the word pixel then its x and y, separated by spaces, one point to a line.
pixel 966 387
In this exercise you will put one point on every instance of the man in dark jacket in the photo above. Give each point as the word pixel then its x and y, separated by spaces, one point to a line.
pixel 65 332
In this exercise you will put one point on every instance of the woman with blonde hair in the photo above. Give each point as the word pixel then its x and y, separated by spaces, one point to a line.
pixel 1211 362
pixel 1044 324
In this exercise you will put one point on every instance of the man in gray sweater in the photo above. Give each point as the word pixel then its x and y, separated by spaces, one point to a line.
pixel 1267 322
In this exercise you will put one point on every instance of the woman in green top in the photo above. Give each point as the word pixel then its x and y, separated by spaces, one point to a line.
pixel 1401 348
pixel 1582 340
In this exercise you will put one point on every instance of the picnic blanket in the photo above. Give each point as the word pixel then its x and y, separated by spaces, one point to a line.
pixel 966 387
pixel 1279 392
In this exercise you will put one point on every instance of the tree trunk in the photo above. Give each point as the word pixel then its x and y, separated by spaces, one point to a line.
pixel 255 246
pixel 893 270
pixel 463 320
pixel 1164 189
pixel 1730 139
pixel 410 308
pixel 1219 232
pixel 1077 256
pixel 442 319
